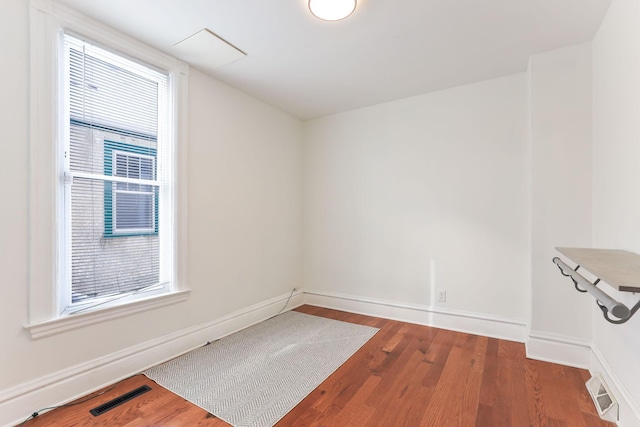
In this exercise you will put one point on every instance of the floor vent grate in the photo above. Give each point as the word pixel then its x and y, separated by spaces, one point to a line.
pixel 99 410
pixel 606 404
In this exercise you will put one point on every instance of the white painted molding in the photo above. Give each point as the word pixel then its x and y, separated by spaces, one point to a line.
pixel 47 19
pixel 629 410
pixel 80 320
pixel 69 384
pixel 455 320
pixel 559 349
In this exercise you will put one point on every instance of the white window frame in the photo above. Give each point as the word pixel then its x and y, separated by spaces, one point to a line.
pixel 116 191
pixel 47 248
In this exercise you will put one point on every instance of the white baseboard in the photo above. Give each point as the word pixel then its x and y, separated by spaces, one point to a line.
pixel 472 323
pixel 559 349
pixel 629 410
pixel 69 384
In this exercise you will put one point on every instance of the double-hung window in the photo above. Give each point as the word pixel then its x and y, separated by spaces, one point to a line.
pixel 116 176
pixel 130 208
pixel 133 208
pixel 107 135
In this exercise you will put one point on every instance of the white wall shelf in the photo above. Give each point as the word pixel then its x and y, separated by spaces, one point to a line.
pixel 620 269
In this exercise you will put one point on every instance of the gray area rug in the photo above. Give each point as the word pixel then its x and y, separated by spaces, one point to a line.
pixel 255 376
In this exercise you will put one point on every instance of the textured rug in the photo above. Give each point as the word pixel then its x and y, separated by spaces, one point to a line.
pixel 254 377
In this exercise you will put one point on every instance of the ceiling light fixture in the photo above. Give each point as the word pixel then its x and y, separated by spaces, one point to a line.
pixel 332 10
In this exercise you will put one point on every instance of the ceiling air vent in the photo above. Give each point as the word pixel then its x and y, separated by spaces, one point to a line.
pixel 207 51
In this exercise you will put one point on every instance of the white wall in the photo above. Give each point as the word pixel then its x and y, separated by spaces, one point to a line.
pixel 471 181
pixel 616 179
pixel 560 107
pixel 244 213
pixel 14 90
pixel 441 177
pixel 245 222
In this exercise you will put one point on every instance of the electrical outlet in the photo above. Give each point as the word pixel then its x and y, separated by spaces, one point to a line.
pixel 442 296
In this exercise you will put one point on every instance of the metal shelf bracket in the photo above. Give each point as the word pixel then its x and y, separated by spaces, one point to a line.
pixel 607 304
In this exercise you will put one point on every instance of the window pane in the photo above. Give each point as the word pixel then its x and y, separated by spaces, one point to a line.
pixel 121 165
pixel 134 211
pixel 102 267
pixel 146 168
pixel 113 115
pixel 110 96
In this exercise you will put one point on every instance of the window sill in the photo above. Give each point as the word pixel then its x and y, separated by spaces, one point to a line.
pixel 75 321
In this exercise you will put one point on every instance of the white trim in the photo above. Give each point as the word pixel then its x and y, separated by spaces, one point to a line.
pixel 47 19
pixel 455 320
pixel 43 181
pixel 628 409
pixel 70 175
pixel 559 349
pixel 80 320
pixel 180 82
pixel 69 384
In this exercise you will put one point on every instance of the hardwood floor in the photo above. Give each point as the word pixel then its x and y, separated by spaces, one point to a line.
pixel 406 375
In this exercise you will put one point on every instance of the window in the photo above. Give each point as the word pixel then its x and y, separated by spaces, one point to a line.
pixel 130 209
pixel 107 135
pixel 115 109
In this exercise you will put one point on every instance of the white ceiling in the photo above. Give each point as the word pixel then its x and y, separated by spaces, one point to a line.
pixel 386 50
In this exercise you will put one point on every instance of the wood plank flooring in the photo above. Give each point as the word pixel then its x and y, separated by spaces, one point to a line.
pixel 406 375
